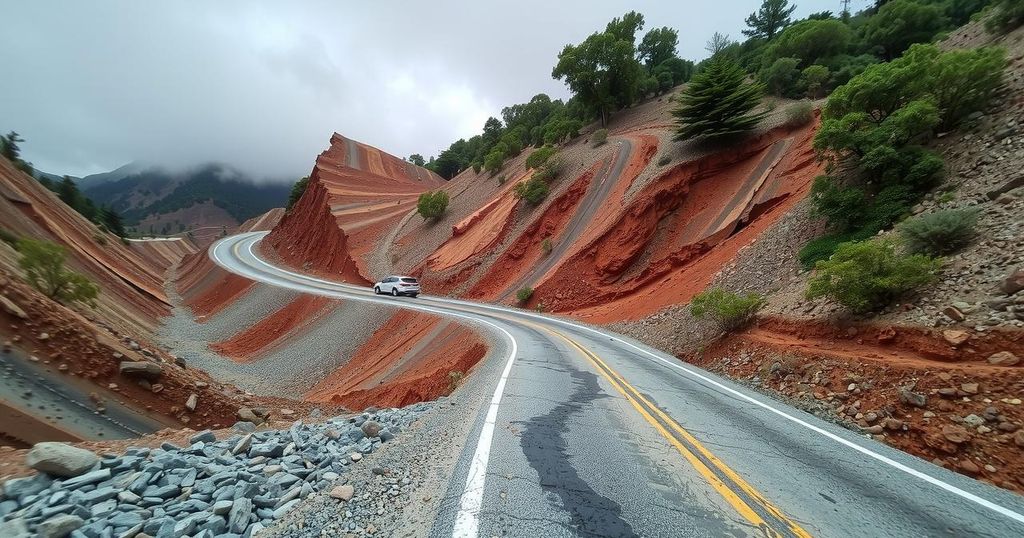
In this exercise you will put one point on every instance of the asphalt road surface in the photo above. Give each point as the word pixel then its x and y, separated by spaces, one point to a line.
pixel 589 433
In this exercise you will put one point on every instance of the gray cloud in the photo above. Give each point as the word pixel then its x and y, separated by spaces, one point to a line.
pixel 262 85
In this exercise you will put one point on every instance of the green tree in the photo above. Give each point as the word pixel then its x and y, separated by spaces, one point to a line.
pixel 866 275
pixel 10 146
pixel 813 80
pixel 718 43
pixel 719 102
pixel 432 204
pixel 602 71
pixel 767 21
pixel 297 190
pixel 533 190
pixel 417 159
pixel 111 220
pixel 658 45
pixel 782 77
pixel 811 41
pixel 901 23
pixel 43 263
pixel 1006 15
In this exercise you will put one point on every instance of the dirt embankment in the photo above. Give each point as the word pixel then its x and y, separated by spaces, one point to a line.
pixel 276 329
pixel 931 392
pixel 163 253
pixel 132 295
pixel 206 288
pixel 411 358
pixel 682 229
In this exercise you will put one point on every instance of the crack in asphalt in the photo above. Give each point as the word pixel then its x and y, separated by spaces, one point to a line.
pixel 546 449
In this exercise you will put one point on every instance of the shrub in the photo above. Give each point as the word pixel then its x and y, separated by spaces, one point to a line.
pixel 432 204
pixel 297 190
pixel 549 170
pixel 546 246
pixel 946 197
pixel 939 233
pixel 728 310
pixel 455 378
pixel 781 77
pixel 813 79
pixel 524 294
pixel 533 190
pixel 799 114
pixel 100 239
pixel 501 179
pixel 864 275
pixel 1007 15
pixel 540 156
pixel 599 137
pixel 8 237
pixel 43 263
pixel 665 159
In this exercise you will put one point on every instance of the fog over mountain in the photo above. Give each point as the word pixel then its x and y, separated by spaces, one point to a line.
pixel 262 85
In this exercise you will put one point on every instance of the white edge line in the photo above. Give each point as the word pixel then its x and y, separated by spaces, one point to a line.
pixel 467 521
pixel 999 509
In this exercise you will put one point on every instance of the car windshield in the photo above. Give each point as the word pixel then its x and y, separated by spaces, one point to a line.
pixel 409 280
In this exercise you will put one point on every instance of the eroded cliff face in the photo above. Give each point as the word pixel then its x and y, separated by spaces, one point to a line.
pixel 356 194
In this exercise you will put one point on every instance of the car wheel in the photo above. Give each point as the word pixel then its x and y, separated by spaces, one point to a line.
pixel 376 290
pixel 394 292
pixel 413 295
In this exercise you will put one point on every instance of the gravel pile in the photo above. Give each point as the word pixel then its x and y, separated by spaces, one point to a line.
pixel 229 487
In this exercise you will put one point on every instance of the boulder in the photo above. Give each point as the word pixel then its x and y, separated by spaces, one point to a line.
pixel 249 415
pixel 1013 283
pixel 955 337
pixel 953 313
pixel 11 308
pixel 192 401
pixel 912 398
pixel 1003 358
pixel 59 526
pixel 343 493
pixel 59 459
pixel 955 434
pixel 143 369
pixel 371 428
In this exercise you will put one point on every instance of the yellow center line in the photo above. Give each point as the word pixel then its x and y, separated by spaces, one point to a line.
pixel 648 411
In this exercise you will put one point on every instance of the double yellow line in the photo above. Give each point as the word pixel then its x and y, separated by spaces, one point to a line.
pixel 750 504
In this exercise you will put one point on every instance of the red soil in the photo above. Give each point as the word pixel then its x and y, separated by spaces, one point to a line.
pixel 132 285
pixel 526 250
pixel 819 361
pixel 163 254
pixel 406 361
pixel 355 193
pixel 206 288
pixel 283 324
pixel 681 229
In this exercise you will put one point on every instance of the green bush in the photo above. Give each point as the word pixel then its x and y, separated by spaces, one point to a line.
pixel 718 103
pixel 813 80
pixel 901 23
pixel 297 190
pixel 524 294
pixel 941 232
pixel 502 179
pixel 8 237
pixel 540 156
pixel 599 137
pixel 43 263
pixel 728 310
pixel 545 246
pixel 432 204
pixel 865 275
pixel 533 190
pixel 799 114
pixel 1006 15
pixel 549 170
pixel 782 76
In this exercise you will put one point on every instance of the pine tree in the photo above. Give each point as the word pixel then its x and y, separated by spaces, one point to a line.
pixel 767 21
pixel 718 103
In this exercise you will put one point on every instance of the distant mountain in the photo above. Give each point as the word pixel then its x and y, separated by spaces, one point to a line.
pixel 153 200
pixel 39 174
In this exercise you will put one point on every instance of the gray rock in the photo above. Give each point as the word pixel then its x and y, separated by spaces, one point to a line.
pixel 99 495
pixel 59 526
pixel 126 519
pixel 243 426
pixel 14 528
pixel 19 488
pixel 370 428
pixel 238 517
pixel 205 436
pixel 912 398
pixel 142 369
pixel 60 459
pixel 242 445
pixel 280 512
pixel 222 507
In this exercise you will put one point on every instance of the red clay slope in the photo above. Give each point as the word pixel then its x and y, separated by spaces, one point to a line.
pixel 355 193
pixel 274 329
pixel 682 228
pixel 411 358
pixel 132 285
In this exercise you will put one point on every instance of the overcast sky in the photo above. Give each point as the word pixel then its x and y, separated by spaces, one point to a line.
pixel 262 85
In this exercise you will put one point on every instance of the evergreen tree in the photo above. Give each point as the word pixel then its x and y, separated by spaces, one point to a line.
pixel 297 190
pixel 718 103
pixel 772 17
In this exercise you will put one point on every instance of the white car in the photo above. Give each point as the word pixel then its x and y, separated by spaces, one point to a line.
pixel 398 285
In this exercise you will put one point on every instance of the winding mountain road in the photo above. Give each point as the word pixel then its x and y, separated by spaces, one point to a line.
pixel 589 433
